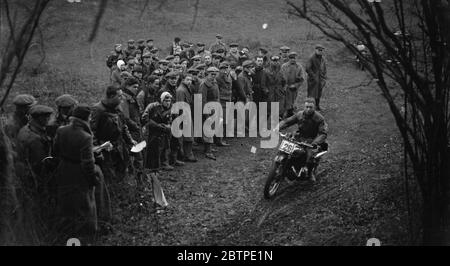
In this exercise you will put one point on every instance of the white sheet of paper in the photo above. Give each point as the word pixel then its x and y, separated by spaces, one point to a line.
pixel 139 147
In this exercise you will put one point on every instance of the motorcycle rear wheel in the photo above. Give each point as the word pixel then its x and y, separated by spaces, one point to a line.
pixel 273 181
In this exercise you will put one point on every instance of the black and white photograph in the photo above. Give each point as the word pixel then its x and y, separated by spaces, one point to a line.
pixel 245 125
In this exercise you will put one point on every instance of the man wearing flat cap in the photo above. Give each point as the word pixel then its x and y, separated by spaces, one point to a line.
pixel 131 48
pixel 141 45
pixel 116 55
pixel 210 93
pixel 224 81
pixel 316 69
pixel 233 54
pixel 218 44
pixel 148 46
pixel 65 105
pixel 284 54
pixel 22 103
pixel 33 142
pixel 201 50
pixel 108 123
pixel 293 73
pixel 265 55
pixel 276 84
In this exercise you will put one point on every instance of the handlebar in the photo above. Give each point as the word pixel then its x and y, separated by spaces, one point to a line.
pixel 304 144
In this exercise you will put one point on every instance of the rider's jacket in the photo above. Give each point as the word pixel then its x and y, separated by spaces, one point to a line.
pixel 312 129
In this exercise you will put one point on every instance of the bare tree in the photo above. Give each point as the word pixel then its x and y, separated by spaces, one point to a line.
pixel 409 44
pixel 20 34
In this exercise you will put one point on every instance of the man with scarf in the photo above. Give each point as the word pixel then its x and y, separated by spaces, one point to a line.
pixel 108 123
pixel 293 74
pixel 317 74
pixel 171 87
pixel 276 84
pixel 157 120
pixel 312 129
pixel 132 114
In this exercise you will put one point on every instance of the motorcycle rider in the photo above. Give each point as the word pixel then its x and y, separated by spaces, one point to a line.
pixel 312 129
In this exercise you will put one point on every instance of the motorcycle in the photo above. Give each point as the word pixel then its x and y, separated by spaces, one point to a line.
pixel 290 163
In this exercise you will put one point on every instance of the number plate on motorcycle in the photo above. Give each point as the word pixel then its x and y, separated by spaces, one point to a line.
pixel 287 147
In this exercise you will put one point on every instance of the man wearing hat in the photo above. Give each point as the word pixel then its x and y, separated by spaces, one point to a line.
pixel 76 176
pixel 148 46
pixel 171 87
pixel 316 69
pixel 147 65
pixel 218 44
pixel 284 54
pixel 210 93
pixel 157 120
pixel 131 48
pixel 108 123
pixel 201 68
pixel 22 103
pixel 276 84
pixel 149 92
pixel 233 54
pixel 224 81
pixel 65 105
pixel 115 56
pixel 245 92
pixel 195 61
pixel 185 94
pixel 33 142
pixel 243 57
pixel 293 73
pixel 141 45
pixel 216 59
pixel 132 114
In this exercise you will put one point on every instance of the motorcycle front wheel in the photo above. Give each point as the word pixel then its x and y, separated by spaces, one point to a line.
pixel 273 181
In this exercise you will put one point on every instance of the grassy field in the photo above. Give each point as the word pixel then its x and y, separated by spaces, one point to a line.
pixel 359 194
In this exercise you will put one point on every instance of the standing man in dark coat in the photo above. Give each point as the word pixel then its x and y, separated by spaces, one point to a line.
pixel 218 44
pixel 23 103
pixel 276 84
pixel 317 74
pixel 65 104
pixel 76 176
pixel 108 123
pixel 185 94
pixel 132 114
pixel 293 74
pixel 259 82
pixel 210 93
pixel 225 82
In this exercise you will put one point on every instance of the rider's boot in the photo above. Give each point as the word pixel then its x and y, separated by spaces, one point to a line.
pixel 311 172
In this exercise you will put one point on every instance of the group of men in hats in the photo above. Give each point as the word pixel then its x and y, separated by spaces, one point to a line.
pixel 89 146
